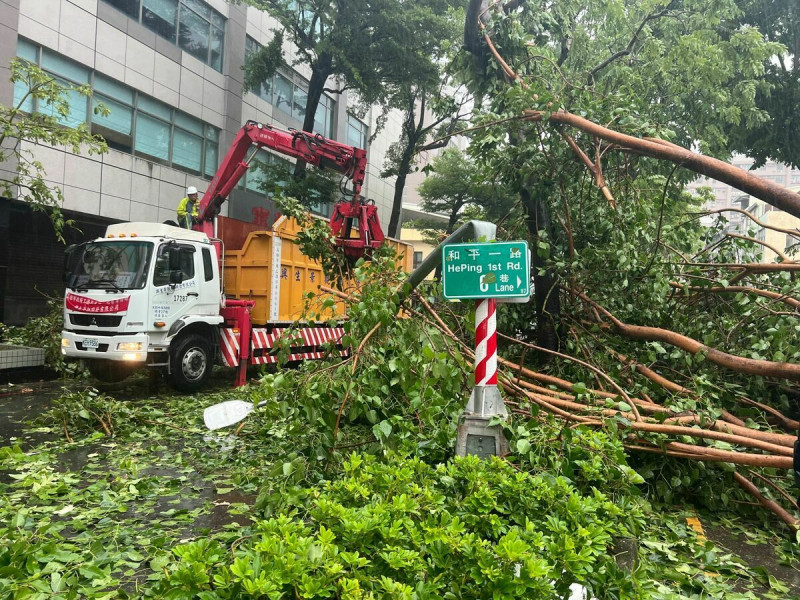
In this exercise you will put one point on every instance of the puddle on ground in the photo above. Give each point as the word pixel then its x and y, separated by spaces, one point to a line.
pixel 221 515
pixel 75 459
pixel 755 555
pixel 20 404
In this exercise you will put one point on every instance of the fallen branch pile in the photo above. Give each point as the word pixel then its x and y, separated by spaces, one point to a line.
pixel 641 416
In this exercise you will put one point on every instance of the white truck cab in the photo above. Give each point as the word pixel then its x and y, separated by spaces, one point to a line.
pixel 145 294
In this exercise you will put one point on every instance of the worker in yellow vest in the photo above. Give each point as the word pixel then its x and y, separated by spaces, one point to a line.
pixel 187 209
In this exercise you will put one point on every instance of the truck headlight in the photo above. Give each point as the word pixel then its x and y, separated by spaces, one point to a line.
pixel 64 343
pixel 129 346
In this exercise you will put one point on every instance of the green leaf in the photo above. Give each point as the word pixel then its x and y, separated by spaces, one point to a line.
pixel 382 430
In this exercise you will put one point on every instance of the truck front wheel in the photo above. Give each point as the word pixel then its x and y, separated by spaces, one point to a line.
pixel 190 363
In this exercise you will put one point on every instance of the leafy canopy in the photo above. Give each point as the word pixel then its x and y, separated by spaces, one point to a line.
pixel 776 138
pixel 456 184
pixel 373 47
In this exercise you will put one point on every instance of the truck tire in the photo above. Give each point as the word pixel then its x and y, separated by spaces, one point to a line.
pixel 109 371
pixel 190 363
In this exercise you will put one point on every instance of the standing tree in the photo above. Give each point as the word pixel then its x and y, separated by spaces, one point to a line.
pixel 425 115
pixel 671 69
pixel 36 116
pixel 776 138
pixel 455 185
pixel 374 47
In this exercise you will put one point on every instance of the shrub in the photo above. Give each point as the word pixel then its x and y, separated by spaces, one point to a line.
pixel 404 529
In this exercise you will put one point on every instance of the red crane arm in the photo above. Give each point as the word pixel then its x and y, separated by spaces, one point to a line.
pixel 309 147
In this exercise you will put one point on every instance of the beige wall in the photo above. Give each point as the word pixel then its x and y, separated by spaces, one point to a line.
pixel 414 237
pixel 780 240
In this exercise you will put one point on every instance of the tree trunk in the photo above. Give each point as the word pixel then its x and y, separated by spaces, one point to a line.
pixel 399 188
pixel 451 222
pixel 545 291
pixel 320 72
pixel 412 134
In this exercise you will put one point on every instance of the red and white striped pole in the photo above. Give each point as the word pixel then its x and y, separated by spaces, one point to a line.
pixel 486 342
pixel 475 434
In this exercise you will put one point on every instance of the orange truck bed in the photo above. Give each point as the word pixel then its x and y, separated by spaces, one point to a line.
pixel 268 267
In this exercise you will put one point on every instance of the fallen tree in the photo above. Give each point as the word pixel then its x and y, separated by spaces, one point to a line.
pixel 686 322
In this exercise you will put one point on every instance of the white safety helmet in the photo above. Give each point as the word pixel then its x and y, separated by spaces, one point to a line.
pixel 191 190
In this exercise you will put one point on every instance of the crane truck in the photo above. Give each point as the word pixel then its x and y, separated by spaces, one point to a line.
pixel 179 300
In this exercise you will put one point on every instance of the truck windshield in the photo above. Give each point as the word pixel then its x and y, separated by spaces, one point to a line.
pixel 117 265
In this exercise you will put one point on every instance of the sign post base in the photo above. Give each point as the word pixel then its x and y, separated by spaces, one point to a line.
pixel 475 435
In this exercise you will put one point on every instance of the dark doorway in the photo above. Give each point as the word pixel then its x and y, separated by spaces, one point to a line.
pixel 32 259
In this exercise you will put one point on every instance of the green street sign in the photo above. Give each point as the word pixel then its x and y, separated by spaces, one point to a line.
pixel 486 270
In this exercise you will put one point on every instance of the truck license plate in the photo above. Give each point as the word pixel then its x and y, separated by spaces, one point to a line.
pixel 90 343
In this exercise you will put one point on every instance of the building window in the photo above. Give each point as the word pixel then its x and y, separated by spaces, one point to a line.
pixel 323 120
pixel 282 93
pixel 289 93
pixel 66 73
pixel 117 126
pixel 256 177
pixel 417 259
pixel 269 173
pixel 795 178
pixel 191 24
pixel 356 132
pixel 129 8
pixel 136 123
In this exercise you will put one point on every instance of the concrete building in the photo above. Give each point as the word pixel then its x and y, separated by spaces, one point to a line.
pixel 774 241
pixel 726 196
pixel 171 73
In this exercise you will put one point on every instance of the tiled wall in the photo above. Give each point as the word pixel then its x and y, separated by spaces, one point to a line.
pixel 19 357
pixel 117 185
pixel 9 15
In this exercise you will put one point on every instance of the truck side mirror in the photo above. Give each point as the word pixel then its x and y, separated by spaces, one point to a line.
pixel 174 259
pixel 175 277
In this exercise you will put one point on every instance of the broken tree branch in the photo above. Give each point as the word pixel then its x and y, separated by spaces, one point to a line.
pixel 763 189
pixel 753 218
pixel 783 256
pixel 734 289
pixel 595 168
pixel 748 366
pixel 771 505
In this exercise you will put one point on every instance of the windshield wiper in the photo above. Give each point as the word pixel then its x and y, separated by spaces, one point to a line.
pixel 85 286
